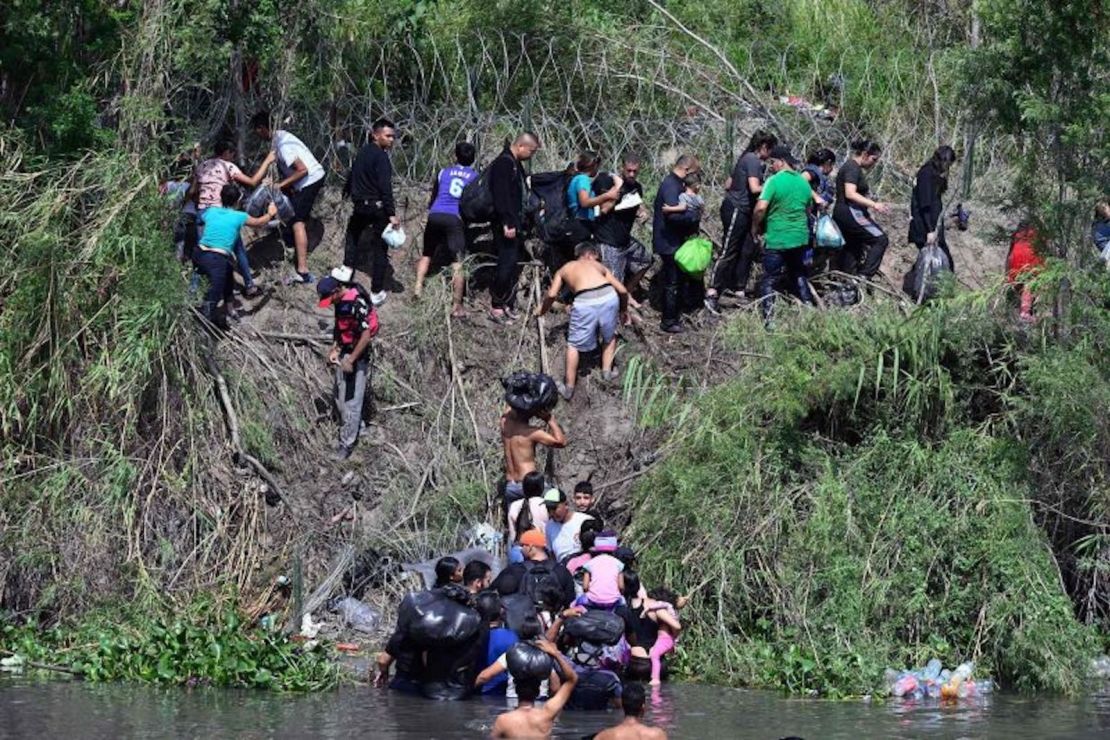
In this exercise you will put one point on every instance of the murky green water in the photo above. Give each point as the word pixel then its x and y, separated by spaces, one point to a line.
pixel 77 710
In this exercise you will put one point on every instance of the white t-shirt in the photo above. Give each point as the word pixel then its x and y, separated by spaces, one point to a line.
pixel 289 149
pixel 563 538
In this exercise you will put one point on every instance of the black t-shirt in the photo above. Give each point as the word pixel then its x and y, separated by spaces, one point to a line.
pixel 615 227
pixel 850 172
pixel 748 165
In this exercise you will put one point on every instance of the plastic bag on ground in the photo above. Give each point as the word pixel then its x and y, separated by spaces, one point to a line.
pixel 259 200
pixel 828 233
pixel 427 569
pixel 525 661
pixel 357 615
pixel 530 393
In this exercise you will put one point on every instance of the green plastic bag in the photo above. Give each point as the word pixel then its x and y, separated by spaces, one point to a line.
pixel 694 256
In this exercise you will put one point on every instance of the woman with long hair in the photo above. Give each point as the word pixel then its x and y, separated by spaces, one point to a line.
pixel 926 208
pixel 865 242
pixel 742 189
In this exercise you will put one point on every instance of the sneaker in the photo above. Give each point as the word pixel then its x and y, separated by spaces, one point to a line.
pixel 499 317
pixel 252 292
pixel 566 391
pixel 609 375
pixel 300 278
pixel 673 328
pixel 378 298
pixel 713 305
pixel 341 453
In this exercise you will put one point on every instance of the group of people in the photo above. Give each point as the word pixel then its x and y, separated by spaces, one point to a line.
pixel 771 203
pixel 570 591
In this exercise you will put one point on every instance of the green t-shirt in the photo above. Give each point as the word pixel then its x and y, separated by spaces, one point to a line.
pixel 788 196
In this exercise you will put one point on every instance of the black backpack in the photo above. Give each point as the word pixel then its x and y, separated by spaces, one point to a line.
pixel 476 200
pixel 547 204
pixel 537 577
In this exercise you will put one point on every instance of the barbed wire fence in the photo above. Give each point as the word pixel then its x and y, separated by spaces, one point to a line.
pixel 638 92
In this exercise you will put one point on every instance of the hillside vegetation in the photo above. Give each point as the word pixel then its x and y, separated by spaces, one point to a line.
pixel 860 488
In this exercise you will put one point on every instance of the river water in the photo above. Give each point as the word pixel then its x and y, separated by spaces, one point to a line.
pixel 78 710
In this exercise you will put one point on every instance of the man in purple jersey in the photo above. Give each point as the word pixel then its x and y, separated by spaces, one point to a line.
pixel 445 227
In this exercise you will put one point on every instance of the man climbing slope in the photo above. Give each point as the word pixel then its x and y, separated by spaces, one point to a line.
pixel 356 323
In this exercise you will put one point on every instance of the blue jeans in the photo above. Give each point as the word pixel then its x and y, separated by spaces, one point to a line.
pixel 780 263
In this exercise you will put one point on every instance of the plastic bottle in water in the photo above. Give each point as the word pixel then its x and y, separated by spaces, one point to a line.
pixel 918 693
pixel 984 687
pixel 890 677
pixel 933 668
pixel 945 675
pixel 933 689
pixel 964 671
pixel 966 689
pixel 905 684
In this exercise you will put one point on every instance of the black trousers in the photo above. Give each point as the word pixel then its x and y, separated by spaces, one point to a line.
pixel 671 277
pixel 735 263
pixel 353 256
pixel 503 290
pixel 865 243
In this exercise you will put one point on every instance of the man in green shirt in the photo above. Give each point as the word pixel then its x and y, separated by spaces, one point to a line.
pixel 782 213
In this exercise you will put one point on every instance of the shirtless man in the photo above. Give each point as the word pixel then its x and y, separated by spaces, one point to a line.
pixel 600 300
pixel 528 720
pixel 519 439
pixel 632 700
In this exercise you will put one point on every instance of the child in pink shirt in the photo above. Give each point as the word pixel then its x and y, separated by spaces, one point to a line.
pixel 604 579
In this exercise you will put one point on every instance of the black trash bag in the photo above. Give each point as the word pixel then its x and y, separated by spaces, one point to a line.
pixel 526 661
pixel 596 626
pixel 439 618
pixel 922 282
pixel 259 200
pixel 530 393
pixel 517 608
pixel 476 200
pixel 842 295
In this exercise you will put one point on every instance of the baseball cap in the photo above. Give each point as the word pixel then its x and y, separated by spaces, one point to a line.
pixel 606 541
pixel 534 538
pixel 553 497
pixel 325 288
pixel 781 151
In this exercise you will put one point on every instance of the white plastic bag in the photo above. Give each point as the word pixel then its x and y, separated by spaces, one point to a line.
pixel 394 236
pixel 828 233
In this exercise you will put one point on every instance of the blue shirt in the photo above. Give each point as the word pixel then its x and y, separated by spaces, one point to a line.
pixel 221 228
pixel 579 182
pixel 500 640
pixel 449 189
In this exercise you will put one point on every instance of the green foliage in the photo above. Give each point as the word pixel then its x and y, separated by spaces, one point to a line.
pixel 863 499
pixel 1048 83
pixel 203 645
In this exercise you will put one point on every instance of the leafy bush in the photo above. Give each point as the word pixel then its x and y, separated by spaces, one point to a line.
pixel 864 497
pixel 202 645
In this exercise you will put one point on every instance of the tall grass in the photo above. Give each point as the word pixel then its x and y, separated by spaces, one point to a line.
pixel 884 489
